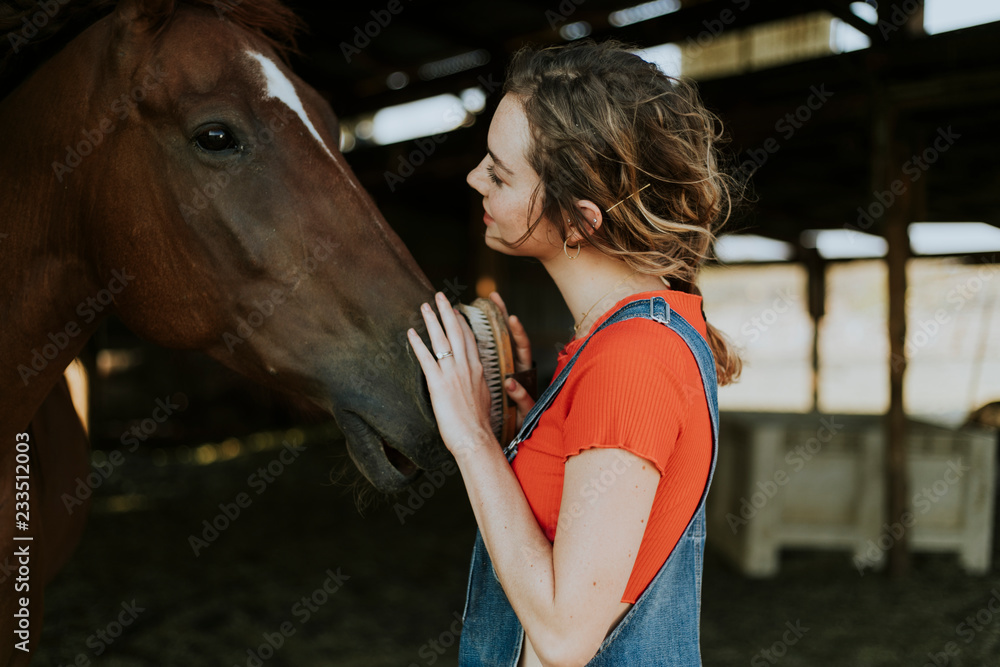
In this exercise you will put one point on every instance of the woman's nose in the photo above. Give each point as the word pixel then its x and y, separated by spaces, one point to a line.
pixel 476 179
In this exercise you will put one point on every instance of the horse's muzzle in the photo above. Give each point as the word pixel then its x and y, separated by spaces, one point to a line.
pixel 381 461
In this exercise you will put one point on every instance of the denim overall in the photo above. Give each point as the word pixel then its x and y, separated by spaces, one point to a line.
pixel 662 627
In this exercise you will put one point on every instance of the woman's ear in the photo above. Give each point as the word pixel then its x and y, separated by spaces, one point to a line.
pixel 589 214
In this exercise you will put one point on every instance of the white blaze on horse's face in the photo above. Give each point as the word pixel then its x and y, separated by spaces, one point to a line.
pixel 278 85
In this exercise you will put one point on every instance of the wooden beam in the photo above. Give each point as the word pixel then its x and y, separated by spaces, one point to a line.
pixel 704 19
pixel 843 12
pixel 899 22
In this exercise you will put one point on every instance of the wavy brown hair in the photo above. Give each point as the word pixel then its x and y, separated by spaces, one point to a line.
pixel 610 127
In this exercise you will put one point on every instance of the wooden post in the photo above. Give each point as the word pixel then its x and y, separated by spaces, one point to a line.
pixel 909 206
pixel 816 272
pixel 896 233
pixel 895 24
pixel 894 196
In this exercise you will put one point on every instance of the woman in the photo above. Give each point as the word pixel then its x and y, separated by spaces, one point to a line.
pixel 590 540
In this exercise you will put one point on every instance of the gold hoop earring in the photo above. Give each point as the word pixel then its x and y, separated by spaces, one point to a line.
pixel 579 247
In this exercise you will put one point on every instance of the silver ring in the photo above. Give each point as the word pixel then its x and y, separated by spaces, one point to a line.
pixel 443 355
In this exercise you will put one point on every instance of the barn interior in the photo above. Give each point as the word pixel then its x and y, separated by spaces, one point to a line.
pixel 856 276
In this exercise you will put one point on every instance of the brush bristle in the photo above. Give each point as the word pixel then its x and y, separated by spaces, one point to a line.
pixel 491 363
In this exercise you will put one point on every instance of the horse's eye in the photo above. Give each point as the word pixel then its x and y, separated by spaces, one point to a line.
pixel 216 139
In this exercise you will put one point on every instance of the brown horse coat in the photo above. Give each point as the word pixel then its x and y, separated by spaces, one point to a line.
pixel 167 167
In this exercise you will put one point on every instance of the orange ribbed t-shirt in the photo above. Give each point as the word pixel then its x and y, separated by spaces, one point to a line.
pixel 636 386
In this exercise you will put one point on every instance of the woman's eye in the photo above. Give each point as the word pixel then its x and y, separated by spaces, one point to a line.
pixel 216 139
pixel 493 175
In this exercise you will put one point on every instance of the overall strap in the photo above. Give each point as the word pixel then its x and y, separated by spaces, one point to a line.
pixel 655 308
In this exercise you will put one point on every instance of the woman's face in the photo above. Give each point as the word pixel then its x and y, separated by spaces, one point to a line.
pixel 506 181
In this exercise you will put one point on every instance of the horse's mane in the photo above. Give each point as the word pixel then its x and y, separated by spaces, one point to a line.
pixel 271 20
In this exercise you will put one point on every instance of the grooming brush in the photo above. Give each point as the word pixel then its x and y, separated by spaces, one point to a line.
pixel 497 356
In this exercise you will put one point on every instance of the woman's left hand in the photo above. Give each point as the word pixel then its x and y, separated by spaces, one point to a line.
pixel 459 395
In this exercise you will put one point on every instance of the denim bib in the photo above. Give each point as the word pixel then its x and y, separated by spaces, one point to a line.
pixel 662 627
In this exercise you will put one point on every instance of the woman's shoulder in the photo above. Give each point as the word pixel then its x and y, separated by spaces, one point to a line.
pixel 634 343
pixel 638 346
pixel 638 330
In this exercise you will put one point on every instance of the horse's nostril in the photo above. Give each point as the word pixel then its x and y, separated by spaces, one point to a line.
pixel 398 460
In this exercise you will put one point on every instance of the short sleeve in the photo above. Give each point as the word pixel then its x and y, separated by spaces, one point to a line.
pixel 625 392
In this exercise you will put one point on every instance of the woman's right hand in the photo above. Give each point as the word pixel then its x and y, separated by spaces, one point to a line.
pixel 522 360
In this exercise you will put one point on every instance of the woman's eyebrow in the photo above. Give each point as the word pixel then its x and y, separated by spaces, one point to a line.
pixel 499 162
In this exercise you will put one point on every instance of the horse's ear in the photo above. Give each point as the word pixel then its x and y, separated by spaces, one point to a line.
pixel 141 14
pixel 131 23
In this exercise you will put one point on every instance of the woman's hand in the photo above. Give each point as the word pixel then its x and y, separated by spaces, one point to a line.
pixel 522 361
pixel 459 394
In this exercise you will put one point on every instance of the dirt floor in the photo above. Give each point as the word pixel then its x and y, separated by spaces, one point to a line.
pixel 300 578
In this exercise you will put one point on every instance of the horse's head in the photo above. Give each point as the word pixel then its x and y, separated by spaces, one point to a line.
pixel 229 209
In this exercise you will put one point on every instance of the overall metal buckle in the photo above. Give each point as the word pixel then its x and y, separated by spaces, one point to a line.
pixel 665 319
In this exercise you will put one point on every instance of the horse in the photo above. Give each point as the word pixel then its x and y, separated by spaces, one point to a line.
pixel 166 166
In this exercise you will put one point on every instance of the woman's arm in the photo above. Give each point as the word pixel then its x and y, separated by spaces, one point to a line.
pixel 567 594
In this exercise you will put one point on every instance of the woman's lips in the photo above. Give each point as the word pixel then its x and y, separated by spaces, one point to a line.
pixel 487 218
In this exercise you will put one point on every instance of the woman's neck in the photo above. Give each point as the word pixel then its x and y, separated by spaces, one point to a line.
pixel 592 283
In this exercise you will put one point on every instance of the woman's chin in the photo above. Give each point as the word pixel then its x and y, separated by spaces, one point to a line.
pixel 493 241
pixel 530 248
